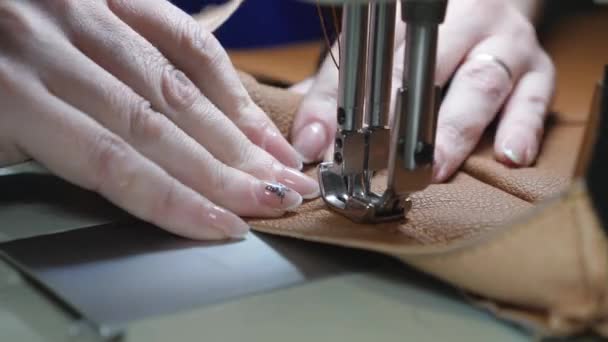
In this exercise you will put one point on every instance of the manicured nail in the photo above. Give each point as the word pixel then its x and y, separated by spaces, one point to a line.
pixel 276 145
pixel 440 174
pixel 311 142
pixel 438 166
pixel 436 169
pixel 307 187
pixel 515 151
pixel 228 223
pixel 277 196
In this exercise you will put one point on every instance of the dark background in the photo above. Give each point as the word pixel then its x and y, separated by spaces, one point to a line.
pixel 262 23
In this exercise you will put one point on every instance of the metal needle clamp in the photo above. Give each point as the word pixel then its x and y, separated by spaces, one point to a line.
pixel 366 142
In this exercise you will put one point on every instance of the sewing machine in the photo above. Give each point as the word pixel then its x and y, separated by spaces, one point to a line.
pixel 366 141
pixel 321 293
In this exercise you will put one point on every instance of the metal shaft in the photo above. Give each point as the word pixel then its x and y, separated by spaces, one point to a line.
pixel 352 67
pixel 419 80
pixel 413 137
pixel 380 62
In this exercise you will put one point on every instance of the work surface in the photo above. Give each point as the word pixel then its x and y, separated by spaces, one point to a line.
pixel 136 281
pixel 132 280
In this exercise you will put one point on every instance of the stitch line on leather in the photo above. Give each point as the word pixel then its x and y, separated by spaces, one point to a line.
pixel 504 182
pixel 401 248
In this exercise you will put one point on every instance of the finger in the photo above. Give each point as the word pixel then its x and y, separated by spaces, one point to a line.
pixel 15 27
pixel 521 128
pixel 202 58
pixel 76 148
pixel 93 90
pixel 315 123
pixel 302 87
pixel 478 90
pixel 455 39
pixel 134 60
pixel 9 153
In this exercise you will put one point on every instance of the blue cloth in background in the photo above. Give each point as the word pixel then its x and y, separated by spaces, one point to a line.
pixel 262 23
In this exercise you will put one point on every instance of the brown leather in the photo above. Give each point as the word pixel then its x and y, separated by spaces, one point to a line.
pixel 576 43
pixel 543 265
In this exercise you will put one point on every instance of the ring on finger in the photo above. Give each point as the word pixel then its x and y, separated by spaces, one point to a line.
pixel 486 57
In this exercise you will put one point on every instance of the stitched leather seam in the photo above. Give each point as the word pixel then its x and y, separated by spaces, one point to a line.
pixel 481 179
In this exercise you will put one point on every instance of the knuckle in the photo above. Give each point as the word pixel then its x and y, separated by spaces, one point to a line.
pixel 248 159
pixel 188 34
pixel 109 163
pixel 256 131
pixel 458 131
pixel 242 155
pixel 522 36
pixel 204 43
pixel 14 22
pixel 524 29
pixel 209 114
pixel 219 177
pixel 486 78
pixel 151 60
pixel 179 92
pixel 143 123
pixel 243 105
pixel 161 208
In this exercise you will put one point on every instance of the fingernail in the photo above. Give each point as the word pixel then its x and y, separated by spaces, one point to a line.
pixel 277 196
pixel 440 174
pixel 278 146
pixel 311 142
pixel 438 168
pixel 515 151
pixel 306 186
pixel 228 223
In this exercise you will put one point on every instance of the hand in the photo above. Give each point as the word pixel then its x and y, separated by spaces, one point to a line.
pixel 132 99
pixel 481 87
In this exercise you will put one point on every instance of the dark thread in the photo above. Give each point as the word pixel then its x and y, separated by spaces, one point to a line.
pixel 326 35
pixel 278 189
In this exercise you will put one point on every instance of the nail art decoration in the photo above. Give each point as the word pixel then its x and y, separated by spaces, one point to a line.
pixel 278 189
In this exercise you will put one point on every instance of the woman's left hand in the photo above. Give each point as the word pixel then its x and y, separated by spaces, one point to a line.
pixel 491 52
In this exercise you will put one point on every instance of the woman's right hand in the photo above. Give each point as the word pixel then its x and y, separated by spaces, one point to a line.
pixel 134 100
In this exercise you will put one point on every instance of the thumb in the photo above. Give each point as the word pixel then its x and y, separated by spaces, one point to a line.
pixel 315 124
